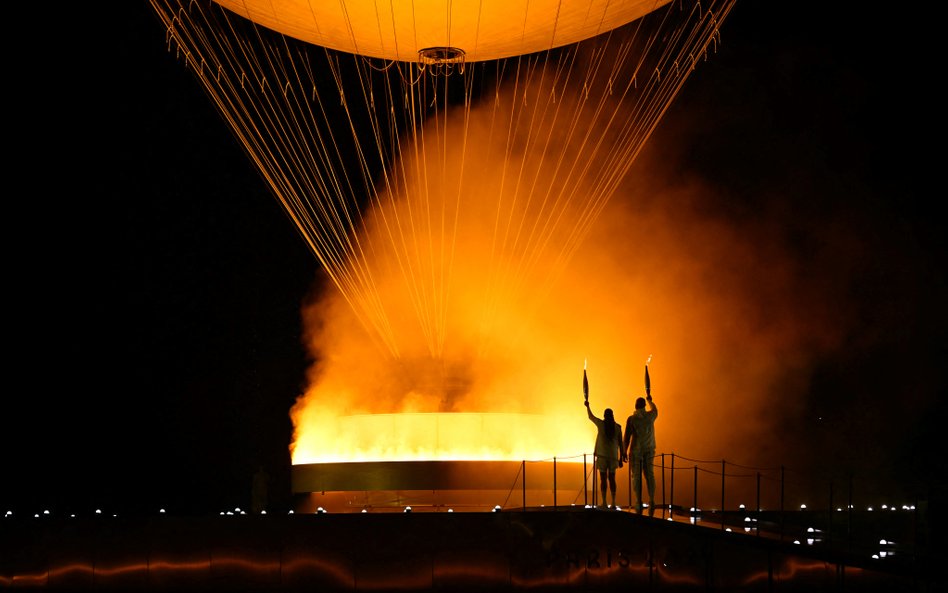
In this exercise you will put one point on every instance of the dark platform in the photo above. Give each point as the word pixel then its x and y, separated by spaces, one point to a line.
pixel 564 549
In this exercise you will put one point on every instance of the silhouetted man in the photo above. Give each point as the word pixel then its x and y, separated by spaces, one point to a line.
pixel 640 433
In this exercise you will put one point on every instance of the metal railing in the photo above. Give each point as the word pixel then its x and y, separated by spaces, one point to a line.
pixel 773 502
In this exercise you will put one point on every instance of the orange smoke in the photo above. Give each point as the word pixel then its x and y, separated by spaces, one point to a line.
pixel 491 321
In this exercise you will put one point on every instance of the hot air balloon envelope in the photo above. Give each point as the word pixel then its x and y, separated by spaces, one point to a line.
pixel 484 30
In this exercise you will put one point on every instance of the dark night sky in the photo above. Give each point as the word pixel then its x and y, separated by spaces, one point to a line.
pixel 156 284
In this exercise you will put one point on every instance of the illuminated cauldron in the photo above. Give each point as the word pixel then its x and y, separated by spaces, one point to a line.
pixel 440 462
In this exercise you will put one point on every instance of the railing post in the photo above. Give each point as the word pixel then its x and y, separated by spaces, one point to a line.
pixel 663 486
pixel 722 494
pixel 554 482
pixel 915 527
pixel 595 487
pixel 523 483
pixel 829 527
pixel 849 518
pixel 782 518
pixel 694 508
pixel 757 518
pixel 585 484
pixel 671 494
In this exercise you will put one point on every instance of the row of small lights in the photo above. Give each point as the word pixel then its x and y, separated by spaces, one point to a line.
pixel 695 512
pixel 497 508
pixel 46 513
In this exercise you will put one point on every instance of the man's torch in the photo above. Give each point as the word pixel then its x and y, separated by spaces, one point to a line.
pixel 585 383
pixel 648 382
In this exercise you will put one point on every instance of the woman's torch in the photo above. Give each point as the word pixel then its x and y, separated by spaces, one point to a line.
pixel 585 383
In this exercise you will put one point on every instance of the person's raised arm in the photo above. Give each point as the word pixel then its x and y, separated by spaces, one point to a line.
pixel 589 412
pixel 651 403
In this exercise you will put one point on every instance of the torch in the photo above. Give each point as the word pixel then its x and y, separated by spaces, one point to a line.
pixel 648 382
pixel 585 383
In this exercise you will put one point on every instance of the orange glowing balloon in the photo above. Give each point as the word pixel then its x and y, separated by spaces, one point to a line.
pixel 483 29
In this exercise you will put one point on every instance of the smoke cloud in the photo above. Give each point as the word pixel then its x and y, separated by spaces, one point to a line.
pixel 740 307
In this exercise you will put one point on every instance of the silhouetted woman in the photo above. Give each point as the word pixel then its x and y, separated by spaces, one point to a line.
pixel 608 452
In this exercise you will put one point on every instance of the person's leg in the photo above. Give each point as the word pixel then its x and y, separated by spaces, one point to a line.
pixel 650 479
pixel 612 488
pixel 603 486
pixel 595 480
pixel 637 480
